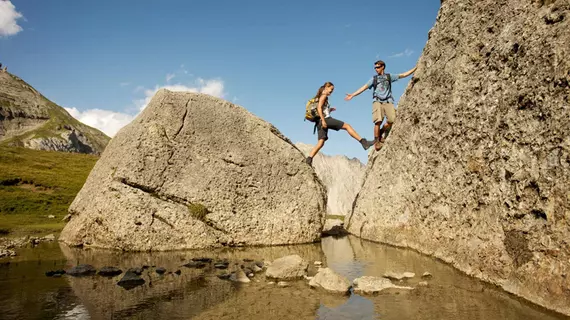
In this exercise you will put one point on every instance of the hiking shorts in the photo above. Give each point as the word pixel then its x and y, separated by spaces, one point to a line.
pixel 332 123
pixel 381 110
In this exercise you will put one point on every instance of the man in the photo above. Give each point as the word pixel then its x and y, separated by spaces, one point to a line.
pixel 383 101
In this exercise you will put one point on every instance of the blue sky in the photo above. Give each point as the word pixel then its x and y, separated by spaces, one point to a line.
pixel 103 60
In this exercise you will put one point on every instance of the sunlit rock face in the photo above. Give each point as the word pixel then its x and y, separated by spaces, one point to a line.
pixel 477 168
pixel 194 171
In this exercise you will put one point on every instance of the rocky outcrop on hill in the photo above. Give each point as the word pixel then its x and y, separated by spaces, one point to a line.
pixel 341 176
pixel 476 171
pixel 194 171
pixel 28 119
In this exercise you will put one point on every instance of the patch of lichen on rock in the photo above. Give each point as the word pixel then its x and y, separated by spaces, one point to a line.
pixel 198 211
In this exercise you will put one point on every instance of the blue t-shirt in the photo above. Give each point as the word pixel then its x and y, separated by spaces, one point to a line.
pixel 383 91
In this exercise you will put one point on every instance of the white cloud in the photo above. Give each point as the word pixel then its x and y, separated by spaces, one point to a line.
pixel 124 84
pixel 213 87
pixel 169 77
pixel 407 53
pixel 109 122
pixel 8 16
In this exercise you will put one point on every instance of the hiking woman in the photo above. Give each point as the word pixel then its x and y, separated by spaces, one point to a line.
pixel 324 122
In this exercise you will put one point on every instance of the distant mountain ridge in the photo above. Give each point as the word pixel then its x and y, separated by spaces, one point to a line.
pixel 28 119
pixel 341 176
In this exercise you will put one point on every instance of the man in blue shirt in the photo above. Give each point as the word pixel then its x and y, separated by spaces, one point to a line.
pixel 383 101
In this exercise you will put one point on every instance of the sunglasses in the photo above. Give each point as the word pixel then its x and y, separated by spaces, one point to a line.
pixel 378 67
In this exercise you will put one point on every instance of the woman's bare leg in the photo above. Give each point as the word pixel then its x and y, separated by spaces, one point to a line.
pixel 351 131
pixel 316 149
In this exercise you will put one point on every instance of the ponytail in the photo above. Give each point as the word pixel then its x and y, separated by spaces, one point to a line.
pixel 320 91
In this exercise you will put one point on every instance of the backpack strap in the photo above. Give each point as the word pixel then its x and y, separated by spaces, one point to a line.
pixel 374 83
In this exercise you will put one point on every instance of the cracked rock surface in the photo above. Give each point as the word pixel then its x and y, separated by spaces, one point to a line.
pixel 194 171
pixel 476 171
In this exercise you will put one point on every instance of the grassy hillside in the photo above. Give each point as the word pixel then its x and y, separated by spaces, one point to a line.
pixel 35 184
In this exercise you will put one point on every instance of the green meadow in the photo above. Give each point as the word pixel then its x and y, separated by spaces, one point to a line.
pixel 36 184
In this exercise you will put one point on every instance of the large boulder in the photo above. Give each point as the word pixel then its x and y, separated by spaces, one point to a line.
pixel 476 171
pixel 194 171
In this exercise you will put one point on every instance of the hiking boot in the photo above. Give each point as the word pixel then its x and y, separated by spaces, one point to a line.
pixel 365 143
pixel 309 161
pixel 378 145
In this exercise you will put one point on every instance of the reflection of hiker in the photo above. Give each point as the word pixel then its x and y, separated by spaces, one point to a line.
pixel 318 110
pixel 383 104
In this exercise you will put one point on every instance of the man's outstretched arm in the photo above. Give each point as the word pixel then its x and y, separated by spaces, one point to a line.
pixel 359 91
pixel 407 73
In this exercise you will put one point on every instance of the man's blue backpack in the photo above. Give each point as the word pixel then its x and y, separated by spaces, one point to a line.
pixel 375 84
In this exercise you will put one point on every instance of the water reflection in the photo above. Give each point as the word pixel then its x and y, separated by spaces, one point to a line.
pixel 26 293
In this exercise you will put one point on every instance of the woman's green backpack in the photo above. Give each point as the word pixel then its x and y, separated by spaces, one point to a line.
pixel 311 113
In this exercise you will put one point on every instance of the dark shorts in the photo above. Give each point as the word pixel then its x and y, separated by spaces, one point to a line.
pixel 332 123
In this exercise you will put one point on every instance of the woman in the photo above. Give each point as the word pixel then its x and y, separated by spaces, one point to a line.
pixel 326 122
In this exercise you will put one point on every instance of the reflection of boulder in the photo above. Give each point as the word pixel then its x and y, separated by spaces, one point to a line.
pixel 450 295
pixel 340 257
pixel 262 301
pixel 194 171
pixel 194 290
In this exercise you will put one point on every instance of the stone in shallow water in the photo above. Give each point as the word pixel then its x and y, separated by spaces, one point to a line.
pixel 195 264
pixel 109 271
pixel 130 280
pixel 137 271
pixel 49 237
pixel 81 270
pixel 202 259
pixel 426 275
pixel 55 273
pixel 160 270
pixel 224 276
pixel 221 265
pixel 239 276
pixel 289 267
pixel 399 276
pixel 331 281
pixel 247 270
pixel 370 285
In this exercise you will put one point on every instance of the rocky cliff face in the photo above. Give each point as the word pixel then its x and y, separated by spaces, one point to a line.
pixel 341 176
pixel 28 119
pixel 193 171
pixel 477 169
